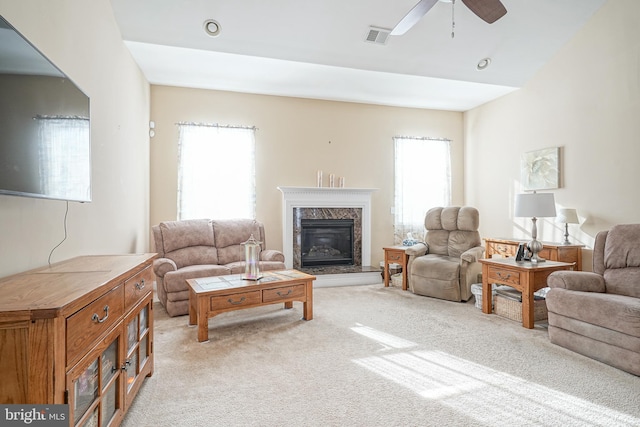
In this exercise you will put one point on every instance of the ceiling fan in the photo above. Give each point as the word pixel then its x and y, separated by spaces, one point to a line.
pixel 487 10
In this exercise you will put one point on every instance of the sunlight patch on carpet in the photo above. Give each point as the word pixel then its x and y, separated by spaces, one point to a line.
pixel 383 337
pixel 483 393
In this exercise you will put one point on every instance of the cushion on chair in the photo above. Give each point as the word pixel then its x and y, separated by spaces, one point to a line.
pixel 182 234
pixel 438 241
pixel 230 234
pixel 429 270
pixel 189 242
pixel 596 308
pixel 449 218
pixel 622 260
pixel 468 219
pixel 460 241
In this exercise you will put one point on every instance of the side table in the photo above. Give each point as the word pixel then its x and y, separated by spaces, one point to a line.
pixel 396 254
pixel 527 277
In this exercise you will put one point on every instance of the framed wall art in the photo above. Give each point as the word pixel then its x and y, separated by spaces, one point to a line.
pixel 540 169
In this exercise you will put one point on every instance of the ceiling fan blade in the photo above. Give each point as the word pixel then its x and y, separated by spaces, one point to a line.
pixel 487 10
pixel 414 15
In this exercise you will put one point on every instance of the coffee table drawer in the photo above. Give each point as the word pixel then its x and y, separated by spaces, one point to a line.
pixel 507 277
pixel 235 300
pixel 277 294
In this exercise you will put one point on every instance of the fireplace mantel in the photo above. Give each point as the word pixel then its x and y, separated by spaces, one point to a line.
pixel 323 197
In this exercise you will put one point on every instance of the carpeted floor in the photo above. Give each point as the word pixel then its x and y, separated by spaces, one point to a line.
pixel 375 356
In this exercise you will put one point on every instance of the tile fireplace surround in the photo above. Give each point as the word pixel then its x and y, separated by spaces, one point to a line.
pixel 322 199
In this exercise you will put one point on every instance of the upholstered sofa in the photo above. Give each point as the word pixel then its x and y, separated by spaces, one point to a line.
pixel 447 263
pixel 597 313
pixel 190 249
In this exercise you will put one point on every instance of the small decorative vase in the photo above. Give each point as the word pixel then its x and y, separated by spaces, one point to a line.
pixel 252 259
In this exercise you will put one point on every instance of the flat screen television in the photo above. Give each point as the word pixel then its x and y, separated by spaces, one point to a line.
pixel 45 144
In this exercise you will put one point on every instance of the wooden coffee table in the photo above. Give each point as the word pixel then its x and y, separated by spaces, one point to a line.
pixel 525 276
pixel 210 296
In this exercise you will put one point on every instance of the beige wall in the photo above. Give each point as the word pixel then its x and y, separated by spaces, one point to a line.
pixel 295 138
pixel 82 38
pixel 587 101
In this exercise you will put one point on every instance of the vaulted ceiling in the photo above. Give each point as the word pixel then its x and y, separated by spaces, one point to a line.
pixel 317 49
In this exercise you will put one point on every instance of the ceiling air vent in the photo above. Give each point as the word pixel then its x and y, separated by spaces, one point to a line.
pixel 377 35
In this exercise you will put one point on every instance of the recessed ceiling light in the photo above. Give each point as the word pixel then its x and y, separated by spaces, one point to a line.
pixel 212 27
pixel 483 63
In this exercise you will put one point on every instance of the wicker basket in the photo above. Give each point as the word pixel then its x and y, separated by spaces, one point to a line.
pixel 512 309
pixel 476 290
pixel 396 280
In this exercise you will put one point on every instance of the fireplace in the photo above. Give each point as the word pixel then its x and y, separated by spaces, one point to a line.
pixel 326 242
pixel 300 203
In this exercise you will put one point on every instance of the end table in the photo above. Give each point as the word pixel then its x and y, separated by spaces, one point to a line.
pixel 396 254
pixel 526 277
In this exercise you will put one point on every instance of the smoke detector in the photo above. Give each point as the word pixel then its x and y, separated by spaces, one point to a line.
pixel 377 35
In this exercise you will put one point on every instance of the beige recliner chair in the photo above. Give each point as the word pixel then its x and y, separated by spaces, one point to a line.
pixel 597 314
pixel 446 264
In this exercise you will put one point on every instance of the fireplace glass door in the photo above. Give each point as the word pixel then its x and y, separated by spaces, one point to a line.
pixel 327 242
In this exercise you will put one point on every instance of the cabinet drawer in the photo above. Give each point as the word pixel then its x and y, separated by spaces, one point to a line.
pixel 277 294
pixel 394 256
pixel 85 326
pixel 506 277
pixel 138 287
pixel 504 249
pixel 234 300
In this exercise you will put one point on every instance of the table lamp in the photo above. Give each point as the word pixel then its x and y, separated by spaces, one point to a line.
pixel 535 205
pixel 567 216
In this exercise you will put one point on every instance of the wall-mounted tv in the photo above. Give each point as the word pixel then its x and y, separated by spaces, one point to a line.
pixel 45 144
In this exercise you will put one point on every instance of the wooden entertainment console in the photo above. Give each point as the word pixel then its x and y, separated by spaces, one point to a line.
pixel 78 332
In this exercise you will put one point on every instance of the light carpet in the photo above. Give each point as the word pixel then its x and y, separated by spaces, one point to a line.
pixel 375 356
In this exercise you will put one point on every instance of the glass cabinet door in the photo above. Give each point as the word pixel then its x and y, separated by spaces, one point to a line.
pixel 94 385
pixel 85 391
pixel 138 347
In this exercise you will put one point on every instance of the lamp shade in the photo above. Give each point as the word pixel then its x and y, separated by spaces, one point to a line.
pixel 567 216
pixel 537 205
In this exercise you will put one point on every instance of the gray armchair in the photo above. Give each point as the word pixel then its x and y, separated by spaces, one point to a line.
pixel 597 314
pixel 446 264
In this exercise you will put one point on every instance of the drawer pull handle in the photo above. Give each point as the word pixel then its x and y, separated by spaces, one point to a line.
pixel 231 301
pixel 140 286
pixel 505 277
pixel 280 294
pixel 97 318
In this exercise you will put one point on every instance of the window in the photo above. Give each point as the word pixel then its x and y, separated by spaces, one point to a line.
pixel 64 155
pixel 216 171
pixel 422 181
